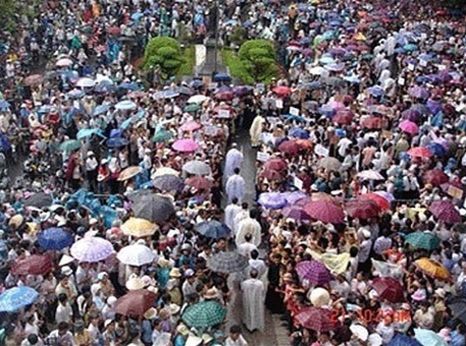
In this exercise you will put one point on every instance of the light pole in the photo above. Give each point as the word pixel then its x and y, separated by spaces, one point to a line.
pixel 216 36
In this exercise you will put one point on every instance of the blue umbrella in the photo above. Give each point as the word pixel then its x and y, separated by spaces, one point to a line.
pixel 298 132
pixel 136 16
pixel 117 142
pixel 76 93
pixel 297 118
pixel 101 109
pixel 403 340
pixel 54 239
pixel 17 298
pixel 129 86
pixel 4 105
pixel 213 229
pixel 105 87
pixel 196 83
pixel 222 77
pixel 327 110
pixel 437 149
pixel 375 91
pixel 166 94
pixel 84 133
pixel 168 182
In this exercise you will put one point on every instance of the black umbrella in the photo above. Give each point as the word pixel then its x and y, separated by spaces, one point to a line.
pixel 458 308
pixel 39 200
pixel 152 207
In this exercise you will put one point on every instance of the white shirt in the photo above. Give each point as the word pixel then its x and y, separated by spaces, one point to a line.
pixel 239 342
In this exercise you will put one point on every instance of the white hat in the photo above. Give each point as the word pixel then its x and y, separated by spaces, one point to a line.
pixel 107 323
pixel 366 233
pixel 359 331
pixel 103 161
pixel 150 314
pixel 66 271
pixel 90 153
pixel 111 300
pixel 374 340
pixel 134 283
pixel 65 259
pixel 174 309
pixel 193 341
pixel 93 221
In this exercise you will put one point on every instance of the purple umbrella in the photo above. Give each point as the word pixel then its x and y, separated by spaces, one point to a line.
pixel 418 92
pixel 295 213
pixel 314 271
pixel 293 197
pixel 272 200
pixel 411 115
pixel 91 249
pixel 434 106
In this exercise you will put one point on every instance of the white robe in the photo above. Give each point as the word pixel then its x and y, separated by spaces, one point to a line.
pixel 234 159
pixel 256 130
pixel 253 291
pixel 231 211
pixel 248 225
pixel 235 187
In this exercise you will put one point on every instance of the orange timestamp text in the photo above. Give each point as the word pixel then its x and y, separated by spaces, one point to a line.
pixel 369 316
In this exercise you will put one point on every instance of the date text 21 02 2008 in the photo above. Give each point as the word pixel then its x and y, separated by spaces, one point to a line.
pixel 368 316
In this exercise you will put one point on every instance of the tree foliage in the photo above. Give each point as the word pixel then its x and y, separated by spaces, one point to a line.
pixel 164 52
pixel 259 60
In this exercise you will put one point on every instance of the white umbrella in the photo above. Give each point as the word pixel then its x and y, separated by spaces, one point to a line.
pixel 64 62
pixel 197 167
pixel 317 70
pixel 165 171
pixel 136 255
pixel 126 105
pixel 197 99
pixel 91 249
pixel 319 297
pixel 85 82
pixel 370 175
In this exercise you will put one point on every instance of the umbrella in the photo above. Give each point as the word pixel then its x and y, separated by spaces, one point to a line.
pixel 185 146
pixel 138 227
pixel 39 200
pixel 161 136
pixel 17 298
pixel 4 105
pixel 136 255
pixel 191 108
pixel 418 92
pixel 129 172
pixel 276 165
pixel 165 171
pixel 54 239
pixel 293 197
pixel 91 249
pixel 436 177
pixel 403 340
pixel 227 262
pixel 272 200
pixel 85 82
pixel 224 95
pixel 319 297
pixel 32 80
pixel 298 132
pixel 420 152
pixel 70 145
pixel 388 288
pixel 409 127
pixel 314 271
pixel 213 229
pixel 204 314
pixel 433 268
pixel 296 213
pixel 84 133
pixel 222 77
pixel 428 337
pixel 362 209
pixel 375 91
pixel 272 175
pixel 190 126
pixel 126 105
pixel 32 265
pixel 445 211
pixel 117 142
pixel 370 175
pixel 168 183
pixel 135 303
pixel 282 91
pixel 329 164
pixel 197 99
pixel 289 147
pixel 153 207
pixel 458 308
pixel 318 319
pixel 166 94
pixel 437 149
pixel 383 203
pixel 423 240
pixel 197 167
pixel 325 211
pixel 101 109
pixel 386 195
pixel 64 62
pixel 199 183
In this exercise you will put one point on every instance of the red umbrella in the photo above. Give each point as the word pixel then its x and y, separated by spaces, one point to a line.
pixel 343 117
pixel 419 152
pixel 389 289
pixel 270 174
pixel 135 303
pixel 325 211
pixel 224 96
pixel 276 165
pixel 382 203
pixel 435 177
pixel 445 211
pixel 33 80
pixel 32 265
pixel 282 91
pixel 304 144
pixel 318 319
pixel 362 209
pixel 372 123
pixel 322 196
pixel 289 147
pixel 199 183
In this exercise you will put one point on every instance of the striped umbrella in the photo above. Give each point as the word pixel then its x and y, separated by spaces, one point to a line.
pixel 314 271
pixel 204 314
pixel 227 262
pixel 17 298
pixel 318 319
pixel 423 240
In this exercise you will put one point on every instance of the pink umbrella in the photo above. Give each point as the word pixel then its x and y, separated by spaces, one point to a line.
pixel 325 211
pixel 185 146
pixel 408 126
pixel 445 211
pixel 420 152
pixel 190 126
pixel 314 271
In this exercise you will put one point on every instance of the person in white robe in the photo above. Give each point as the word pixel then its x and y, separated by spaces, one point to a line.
pixel 234 159
pixel 250 226
pixel 256 130
pixel 236 186
pixel 231 211
pixel 253 291
pixel 246 248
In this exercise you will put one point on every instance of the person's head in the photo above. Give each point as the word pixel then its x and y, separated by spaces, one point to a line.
pixel 62 298
pixel 254 274
pixel 254 254
pixel 234 200
pixel 235 332
pixel 32 339
pixel 248 237
pixel 236 170
pixel 63 328
pixel 244 206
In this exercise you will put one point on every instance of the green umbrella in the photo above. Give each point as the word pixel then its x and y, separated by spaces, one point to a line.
pixel 204 314
pixel 423 240
pixel 70 145
pixel 161 136
pixel 191 108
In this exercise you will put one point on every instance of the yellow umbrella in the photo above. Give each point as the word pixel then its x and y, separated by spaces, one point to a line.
pixel 138 227
pixel 433 268
pixel 129 173
pixel 165 171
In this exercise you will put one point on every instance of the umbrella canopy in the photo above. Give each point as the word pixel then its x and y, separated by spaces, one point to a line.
pixel 165 171
pixel 197 167
pixel 325 211
pixel 372 123
pixel 84 133
pixel 458 308
pixel 32 80
pixel 436 177
pixel 136 255
pixel 428 337
pixel 32 265
pixel 296 213
pixel 199 183
pixel 197 99
pixel 403 340
pixel 318 319
pixel 64 62
pixel 420 152
pixel 409 127
pixel 126 105
pixel 293 197
pixel 185 145
pixel 129 172
pixel 423 240
pixel 381 201
pixel 213 229
pixel 192 108
pixel 433 268
pixel 314 271
pixel 445 211
pixel 204 314
pixel 54 239
pixel 275 165
pixel 85 82
pixel 282 91
pixel 190 126
pixel 271 175
pixel 135 303
pixel 227 262
pixel 362 209
pixel 272 200
pixel 139 228
pixel 289 147
pixel 370 175
pixel 39 200
pixel 319 297
pixel 91 249
pixel 330 164
pixel 153 207
pixel 162 136
pixel 388 288
pixel 168 182
pixel 17 298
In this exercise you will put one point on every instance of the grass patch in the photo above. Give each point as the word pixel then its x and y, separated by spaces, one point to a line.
pixel 236 67
pixel 189 57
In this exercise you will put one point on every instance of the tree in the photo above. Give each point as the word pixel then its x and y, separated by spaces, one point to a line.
pixel 164 52
pixel 260 60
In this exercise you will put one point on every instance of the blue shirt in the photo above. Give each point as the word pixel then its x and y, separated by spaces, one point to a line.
pixel 457 339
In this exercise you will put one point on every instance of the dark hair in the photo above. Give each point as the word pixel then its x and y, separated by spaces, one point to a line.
pixel 235 329
pixel 32 339
pixel 234 200
pixel 248 237
pixel 62 297
pixel 254 254
pixel 236 170
pixel 63 326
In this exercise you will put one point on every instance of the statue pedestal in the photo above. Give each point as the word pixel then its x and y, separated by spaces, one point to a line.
pixel 210 67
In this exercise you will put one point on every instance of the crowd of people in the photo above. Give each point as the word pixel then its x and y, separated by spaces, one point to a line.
pixel 134 221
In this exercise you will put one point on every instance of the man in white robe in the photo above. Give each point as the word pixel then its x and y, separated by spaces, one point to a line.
pixel 234 159
pixel 236 186
pixel 256 130
pixel 231 211
pixel 250 226
pixel 253 291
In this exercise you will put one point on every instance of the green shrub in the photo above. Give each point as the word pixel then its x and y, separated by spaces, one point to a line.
pixel 236 66
pixel 238 36
pixel 189 60
pixel 164 52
